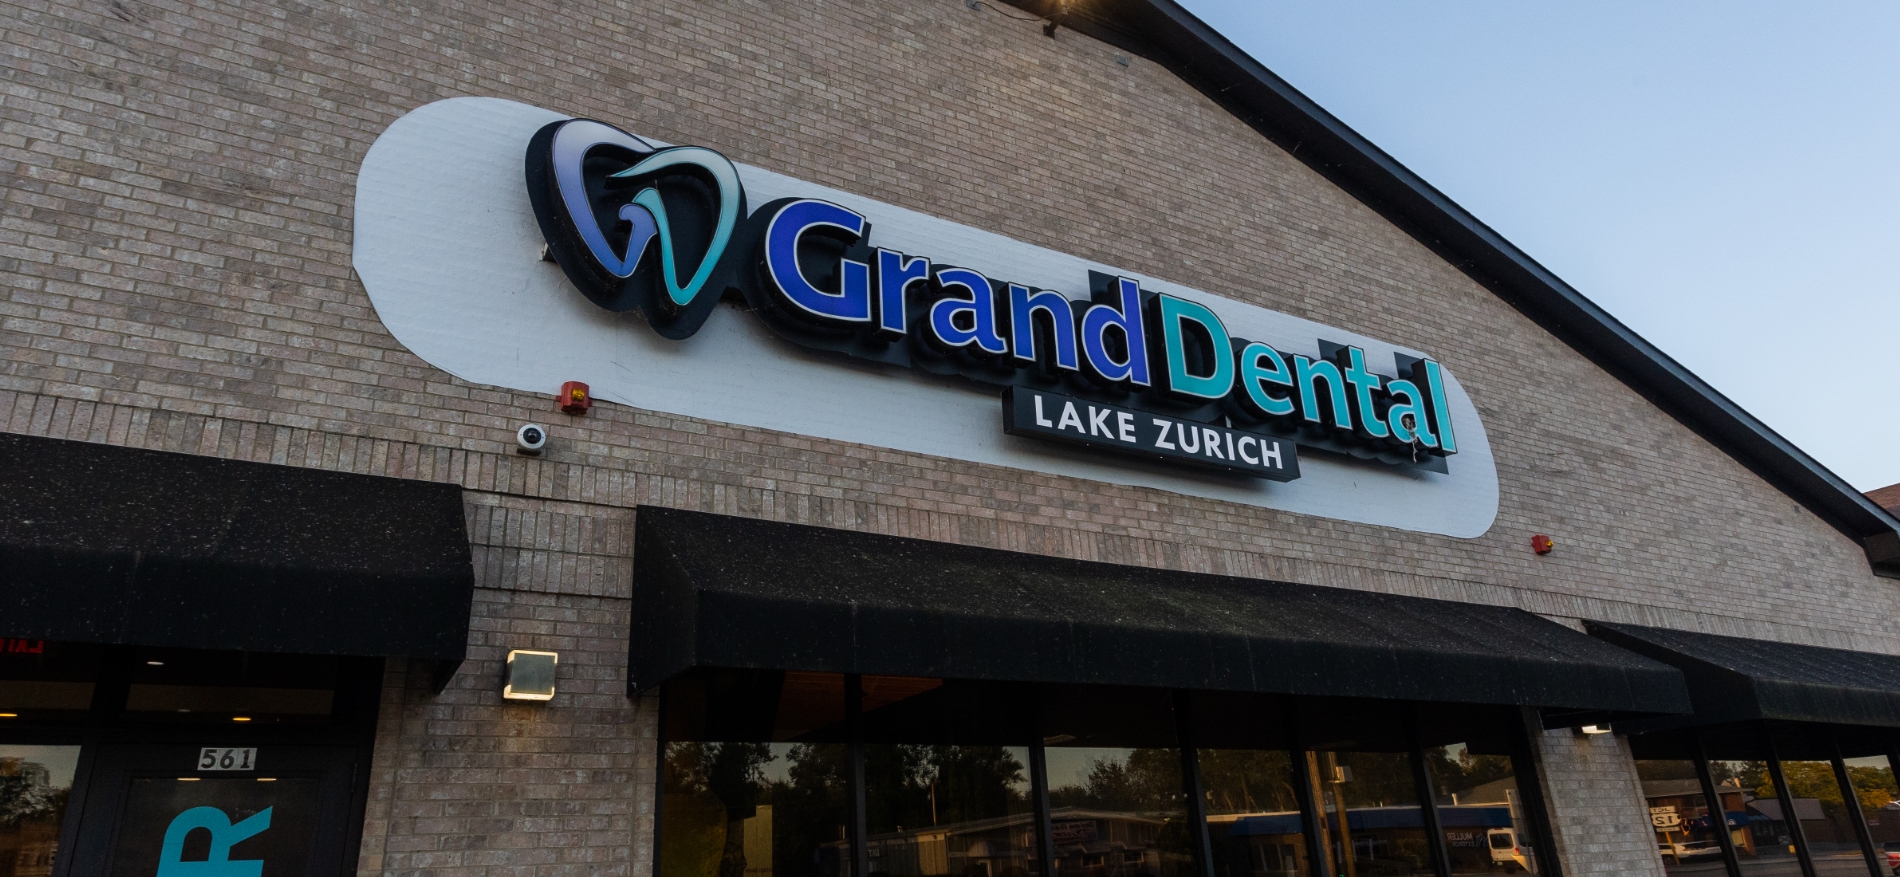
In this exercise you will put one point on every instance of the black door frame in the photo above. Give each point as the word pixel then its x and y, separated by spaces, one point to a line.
pixel 351 724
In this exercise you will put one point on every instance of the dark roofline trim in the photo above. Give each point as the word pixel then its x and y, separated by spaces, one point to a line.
pixel 1163 32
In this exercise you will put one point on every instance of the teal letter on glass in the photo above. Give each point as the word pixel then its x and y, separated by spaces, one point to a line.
pixel 224 835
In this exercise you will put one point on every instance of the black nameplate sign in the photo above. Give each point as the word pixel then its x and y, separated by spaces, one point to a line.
pixel 1147 434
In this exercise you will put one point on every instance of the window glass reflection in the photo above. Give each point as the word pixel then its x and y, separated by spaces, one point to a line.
pixel 1764 843
pixel 740 809
pixel 1481 810
pixel 1253 813
pixel 1822 812
pixel 1118 812
pixel 1679 814
pixel 34 784
pixel 755 777
pixel 1873 782
pixel 949 810
pixel 1370 818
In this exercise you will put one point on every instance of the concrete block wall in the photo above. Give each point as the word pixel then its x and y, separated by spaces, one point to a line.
pixel 174 253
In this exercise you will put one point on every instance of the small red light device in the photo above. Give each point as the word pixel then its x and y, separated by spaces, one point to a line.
pixel 574 398
pixel 1542 544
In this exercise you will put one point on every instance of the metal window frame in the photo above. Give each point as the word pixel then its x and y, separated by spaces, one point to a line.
pixel 1427 790
pixel 1732 860
pixel 1851 802
pixel 1796 833
pixel 355 710
pixel 1790 817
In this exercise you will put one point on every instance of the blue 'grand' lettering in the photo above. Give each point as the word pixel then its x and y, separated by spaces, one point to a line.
pixel 812 272
pixel 852 302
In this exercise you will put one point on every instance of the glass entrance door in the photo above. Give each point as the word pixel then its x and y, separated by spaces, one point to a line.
pixel 215 811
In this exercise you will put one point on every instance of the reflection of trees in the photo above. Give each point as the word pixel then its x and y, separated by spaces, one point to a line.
pixel 1746 774
pixel 712 788
pixel 1248 781
pixel 1379 779
pixel 733 774
pixel 1873 786
pixel 1816 779
pixel 1150 781
pixel 913 785
pixel 810 810
pixel 1458 775
pixel 21 799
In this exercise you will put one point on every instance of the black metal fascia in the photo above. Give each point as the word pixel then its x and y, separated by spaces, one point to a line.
pixel 1163 32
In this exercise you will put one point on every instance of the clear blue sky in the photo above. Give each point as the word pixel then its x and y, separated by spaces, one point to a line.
pixel 1724 177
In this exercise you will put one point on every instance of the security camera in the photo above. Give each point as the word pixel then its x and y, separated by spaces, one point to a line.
pixel 531 438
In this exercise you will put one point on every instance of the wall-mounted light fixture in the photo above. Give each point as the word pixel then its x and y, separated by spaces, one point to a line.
pixel 1591 730
pixel 530 675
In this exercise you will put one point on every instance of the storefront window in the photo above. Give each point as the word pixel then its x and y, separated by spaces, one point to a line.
pixel 1764 843
pixel 180 821
pixel 1118 812
pixel 1481 809
pixel 949 810
pixel 1832 842
pixel 34 784
pixel 1253 812
pixel 758 767
pixel 1686 827
pixel 1873 782
pixel 755 777
pixel 1370 818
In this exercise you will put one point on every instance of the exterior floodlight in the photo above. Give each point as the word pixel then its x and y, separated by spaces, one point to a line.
pixel 530 675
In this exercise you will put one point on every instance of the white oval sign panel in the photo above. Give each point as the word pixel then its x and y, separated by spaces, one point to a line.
pixel 449 247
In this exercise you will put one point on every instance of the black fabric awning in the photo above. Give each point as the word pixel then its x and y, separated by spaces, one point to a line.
pixel 718 591
pixel 105 544
pixel 1733 679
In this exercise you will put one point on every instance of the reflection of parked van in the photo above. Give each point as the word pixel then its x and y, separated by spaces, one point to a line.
pixel 1505 851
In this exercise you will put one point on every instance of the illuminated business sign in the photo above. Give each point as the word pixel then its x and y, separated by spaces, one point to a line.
pixel 666 232
pixel 801 333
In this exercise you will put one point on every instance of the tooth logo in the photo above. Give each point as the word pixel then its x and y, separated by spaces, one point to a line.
pixel 636 227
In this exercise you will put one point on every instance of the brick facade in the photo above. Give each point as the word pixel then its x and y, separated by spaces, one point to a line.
pixel 175 242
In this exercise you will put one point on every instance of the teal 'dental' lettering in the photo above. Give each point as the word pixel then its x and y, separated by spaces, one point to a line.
pixel 224 835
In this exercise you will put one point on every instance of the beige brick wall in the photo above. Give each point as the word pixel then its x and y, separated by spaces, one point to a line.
pixel 1597 805
pixel 466 784
pixel 174 246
